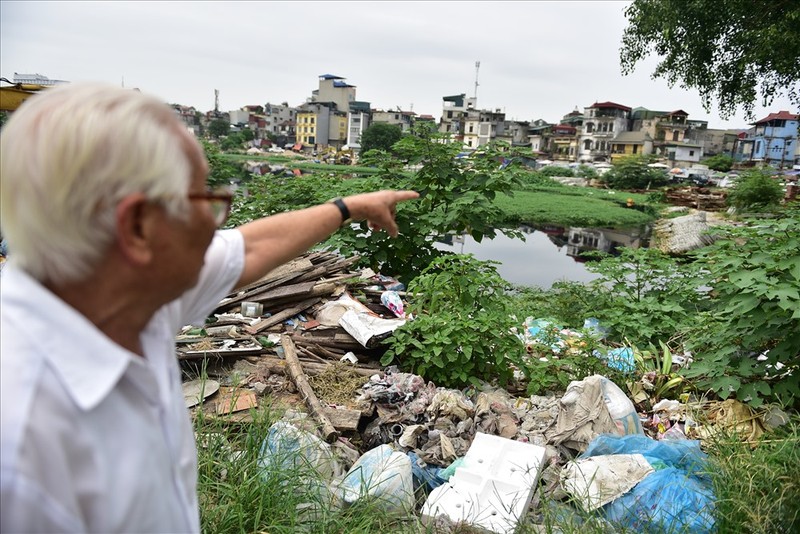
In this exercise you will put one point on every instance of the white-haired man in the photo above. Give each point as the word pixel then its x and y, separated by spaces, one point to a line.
pixel 115 247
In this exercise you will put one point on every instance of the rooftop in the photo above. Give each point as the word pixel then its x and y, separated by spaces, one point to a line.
pixel 779 116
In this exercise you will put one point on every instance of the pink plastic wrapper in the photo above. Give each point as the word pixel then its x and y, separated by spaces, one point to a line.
pixel 392 300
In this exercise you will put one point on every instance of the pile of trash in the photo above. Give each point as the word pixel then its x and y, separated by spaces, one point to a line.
pixel 479 456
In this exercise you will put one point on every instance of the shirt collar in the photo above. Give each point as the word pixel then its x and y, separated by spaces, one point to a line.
pixel 87 362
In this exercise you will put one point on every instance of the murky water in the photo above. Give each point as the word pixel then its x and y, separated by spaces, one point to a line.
pixel 548 254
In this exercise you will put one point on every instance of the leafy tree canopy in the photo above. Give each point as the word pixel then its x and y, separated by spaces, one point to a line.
pixel 729 50
pixel 632 172
pixel 720 162
pixel 380 135
pixel 219 127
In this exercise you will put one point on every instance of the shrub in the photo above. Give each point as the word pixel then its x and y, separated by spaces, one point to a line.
pixel 755 189
pixel 555 170
pixel 461 333
pixel 632 172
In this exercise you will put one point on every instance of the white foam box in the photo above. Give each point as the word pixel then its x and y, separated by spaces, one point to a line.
pixel 492 488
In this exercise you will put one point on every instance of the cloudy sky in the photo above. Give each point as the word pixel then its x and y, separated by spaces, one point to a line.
pixel 537 59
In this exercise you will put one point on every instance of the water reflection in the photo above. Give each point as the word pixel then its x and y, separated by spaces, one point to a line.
pixel 549 253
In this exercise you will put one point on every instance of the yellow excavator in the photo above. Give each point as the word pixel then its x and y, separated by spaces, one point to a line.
pixel 12 96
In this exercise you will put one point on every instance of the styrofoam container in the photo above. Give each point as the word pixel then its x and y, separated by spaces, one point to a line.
pixel 492 489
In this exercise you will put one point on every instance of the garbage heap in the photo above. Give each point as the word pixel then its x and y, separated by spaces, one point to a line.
pixel 308 335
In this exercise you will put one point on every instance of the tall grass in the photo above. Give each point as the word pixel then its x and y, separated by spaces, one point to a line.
pixel 238 495
pixel 757 487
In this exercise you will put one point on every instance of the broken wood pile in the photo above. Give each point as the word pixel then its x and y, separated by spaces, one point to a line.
pixel 701 198
pixel 258 322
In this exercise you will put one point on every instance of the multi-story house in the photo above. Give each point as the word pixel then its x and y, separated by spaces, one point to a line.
pixel 602 121
pixel 358 120
pixel 539 135
pixel 773 141
pixel 333 89
pixel 279 122
pixel 323 120
pixel 564 142
pixel 630 144
pixel 403 119
pixel 454 114
pixel 36 79
pixel 483 126
pixel 190 117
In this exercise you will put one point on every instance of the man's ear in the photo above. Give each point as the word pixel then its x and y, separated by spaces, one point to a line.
pixel 133 237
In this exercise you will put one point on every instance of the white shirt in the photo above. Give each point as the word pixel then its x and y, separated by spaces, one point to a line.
pixel 95 438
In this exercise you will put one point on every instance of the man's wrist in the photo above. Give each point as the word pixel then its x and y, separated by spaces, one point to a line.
pixel 343 209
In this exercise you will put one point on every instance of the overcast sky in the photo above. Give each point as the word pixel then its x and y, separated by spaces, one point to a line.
pixel 537 59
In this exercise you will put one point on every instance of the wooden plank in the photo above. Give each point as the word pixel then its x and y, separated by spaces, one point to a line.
pixel 343 418
pixel 329 433
pixel 281 316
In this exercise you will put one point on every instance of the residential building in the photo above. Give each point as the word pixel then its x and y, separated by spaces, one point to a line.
pixel 714 141
pixel 403 119
pixel 36 79
pixel 602 121
pixel 332 88
pixel 682 154
pixel 539 134
pixel 190 117
pixel 358 120
pixel 772 141
pixel 630 144
pixel 564 142
pixel 279 122
pixel 483 126
pixel 306 127
pixel 454 114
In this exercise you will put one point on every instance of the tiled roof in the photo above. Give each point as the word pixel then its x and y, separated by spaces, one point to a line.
pixel 610 105
pixel 781 115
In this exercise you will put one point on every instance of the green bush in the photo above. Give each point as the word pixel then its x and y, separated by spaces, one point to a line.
pixel 720 162
pixel 755 189
pixel 555 170
pixel 632 172
pixel 461 333
pixel 747 341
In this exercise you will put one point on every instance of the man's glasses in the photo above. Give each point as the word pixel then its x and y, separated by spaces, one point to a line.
pixel 220 202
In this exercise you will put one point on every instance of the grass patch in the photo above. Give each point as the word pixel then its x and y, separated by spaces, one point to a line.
pixel 237 494
pixel 757 489
pixel 562 206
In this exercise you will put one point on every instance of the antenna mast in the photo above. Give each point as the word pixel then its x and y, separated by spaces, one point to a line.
pixel 477 68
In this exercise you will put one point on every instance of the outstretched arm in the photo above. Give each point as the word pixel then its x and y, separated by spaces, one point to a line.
pixel 272 241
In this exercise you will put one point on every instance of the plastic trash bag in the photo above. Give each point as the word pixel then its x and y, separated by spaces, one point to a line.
pixel 677 497
pixel 381 473
pixel 286 446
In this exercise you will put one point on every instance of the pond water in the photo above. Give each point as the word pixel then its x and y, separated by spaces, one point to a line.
pixel 548 254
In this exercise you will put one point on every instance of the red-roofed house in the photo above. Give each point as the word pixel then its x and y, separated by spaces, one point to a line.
pixel 773 140
pixel 602 121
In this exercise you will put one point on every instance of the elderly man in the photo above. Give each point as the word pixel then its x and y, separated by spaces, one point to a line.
pixel 115 247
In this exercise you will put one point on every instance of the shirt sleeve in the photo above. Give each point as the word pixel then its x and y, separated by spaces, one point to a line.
pixel 224 264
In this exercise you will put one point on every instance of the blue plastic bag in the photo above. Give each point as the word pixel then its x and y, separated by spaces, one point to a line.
pixel 677 497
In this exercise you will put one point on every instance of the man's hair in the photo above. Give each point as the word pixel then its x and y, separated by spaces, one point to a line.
pixel 67 157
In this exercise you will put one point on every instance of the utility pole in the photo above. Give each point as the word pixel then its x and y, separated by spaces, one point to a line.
pixel 477 68
pixel 216 101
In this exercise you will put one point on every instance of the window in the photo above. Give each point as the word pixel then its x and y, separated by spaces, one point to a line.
pixel 611 127
pixel 312 120
pixel 691 153
pixel 675 135
pixel 587 145
pixel 449 114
